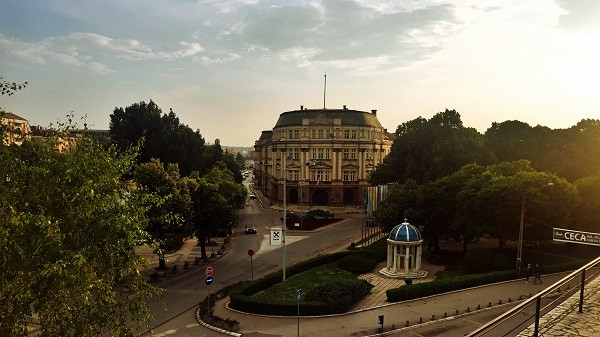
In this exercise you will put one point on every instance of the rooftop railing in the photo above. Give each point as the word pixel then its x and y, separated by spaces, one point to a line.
pixel 512 322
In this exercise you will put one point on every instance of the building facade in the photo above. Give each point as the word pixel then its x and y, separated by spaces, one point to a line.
pixel 326 156
pixel 17 129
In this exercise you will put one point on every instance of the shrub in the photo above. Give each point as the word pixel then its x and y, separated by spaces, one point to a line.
pixel 357 264
pixel 501 262
pixel 447 284
pixel 340 295
pixel 478 261
pixel 318 214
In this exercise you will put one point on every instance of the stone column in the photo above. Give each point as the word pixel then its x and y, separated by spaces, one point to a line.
pixel 395 264
pixel 389 255
pixel 406 258
pixel 419 252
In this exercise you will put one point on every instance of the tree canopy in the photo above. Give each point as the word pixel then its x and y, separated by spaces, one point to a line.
pixel 69 227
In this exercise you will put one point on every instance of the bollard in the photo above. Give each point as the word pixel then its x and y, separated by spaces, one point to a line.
pixel 509 300
pixel 393 326
pixel 478 306
pixel 457 311
pixel 468 309
pixel 559 291
pixel 420 319
pixel 520 297
pixel 433 317
pixel 499 301
pixel 530 295
pixel 406 323
pixel 445 314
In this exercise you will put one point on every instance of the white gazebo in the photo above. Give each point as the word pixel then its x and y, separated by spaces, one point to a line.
pixel 404 253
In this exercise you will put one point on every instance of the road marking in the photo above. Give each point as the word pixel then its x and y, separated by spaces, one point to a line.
pixel 470 321
pixel 166 333
pixel 192 325
pixel 416 334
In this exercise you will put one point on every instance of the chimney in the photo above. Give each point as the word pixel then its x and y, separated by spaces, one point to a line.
pixel 374 112
pixel 302 107
pixel 345 107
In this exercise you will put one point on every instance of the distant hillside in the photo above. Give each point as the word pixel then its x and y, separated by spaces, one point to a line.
pixel 245 151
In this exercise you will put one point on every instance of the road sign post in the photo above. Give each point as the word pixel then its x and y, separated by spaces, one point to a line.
pixel 251 253
pixel 298 298
pixel 208 281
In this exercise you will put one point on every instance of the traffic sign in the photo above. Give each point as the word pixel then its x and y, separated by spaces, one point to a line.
pixel 208 280
pixel 299 294
pixel 276 236
pixel 209 271
pixel 250 252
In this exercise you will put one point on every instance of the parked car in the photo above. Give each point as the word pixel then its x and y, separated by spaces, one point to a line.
pixel 250 228
pixel 252 196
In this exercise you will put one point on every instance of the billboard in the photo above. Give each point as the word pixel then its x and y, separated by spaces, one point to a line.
pixel 569 235
pixel 276 236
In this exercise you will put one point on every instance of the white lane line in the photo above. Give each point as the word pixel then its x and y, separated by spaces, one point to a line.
pixel 192 325
pixel 166 333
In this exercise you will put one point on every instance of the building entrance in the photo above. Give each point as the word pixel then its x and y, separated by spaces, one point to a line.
pixel 320 198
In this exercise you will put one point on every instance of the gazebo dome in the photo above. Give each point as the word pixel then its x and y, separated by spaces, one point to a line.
pixel 405 232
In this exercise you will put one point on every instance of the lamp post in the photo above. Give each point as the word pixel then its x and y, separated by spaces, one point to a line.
pixel 521 225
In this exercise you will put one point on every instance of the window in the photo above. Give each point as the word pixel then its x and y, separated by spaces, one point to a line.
pixel 290 134
pixel 346 134
pixel 293 174
pixel 320 175
pixel 314 133
pixel 352 153
pixel 346 154
pixel 320 134
pixel 296 153
pixel 320 153
pixel 314 154
pixel 349 175
pixel 327 151
pixel 296 134
pixel 353 134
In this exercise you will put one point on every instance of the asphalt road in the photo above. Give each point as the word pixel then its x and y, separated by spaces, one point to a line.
pixel 174 314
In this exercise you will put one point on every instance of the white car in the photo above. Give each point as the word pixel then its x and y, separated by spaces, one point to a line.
pixel 252 196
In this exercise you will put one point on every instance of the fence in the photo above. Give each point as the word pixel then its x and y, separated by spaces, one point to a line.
pixel 527 313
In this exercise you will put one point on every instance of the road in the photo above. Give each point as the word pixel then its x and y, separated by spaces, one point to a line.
pixel 174 314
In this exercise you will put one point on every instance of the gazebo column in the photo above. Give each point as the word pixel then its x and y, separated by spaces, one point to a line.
pixel 419 252
pixel 395 264
pixel 406 259
pixel 389 255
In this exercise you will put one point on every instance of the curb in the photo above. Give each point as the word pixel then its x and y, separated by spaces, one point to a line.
pixel 214 328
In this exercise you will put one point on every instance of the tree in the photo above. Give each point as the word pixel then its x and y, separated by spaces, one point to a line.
pixel 69 227
pixel 425 150
pixel 216 202
pixel 171 212
pixel 587 212
pixel 402 201
pixel 164 137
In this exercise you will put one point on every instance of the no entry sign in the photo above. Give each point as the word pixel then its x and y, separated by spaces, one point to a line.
pixel 209 271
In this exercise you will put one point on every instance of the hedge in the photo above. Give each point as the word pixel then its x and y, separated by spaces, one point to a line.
pixel 434 287
pixel 241 299
pixel 340 296
pixel 444 285
pixel 357 264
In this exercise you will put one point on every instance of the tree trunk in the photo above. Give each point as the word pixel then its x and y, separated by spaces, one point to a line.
pixel 202 239
pixel 161 257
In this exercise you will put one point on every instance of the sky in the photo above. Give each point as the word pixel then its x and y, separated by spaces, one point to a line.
pixel 229 67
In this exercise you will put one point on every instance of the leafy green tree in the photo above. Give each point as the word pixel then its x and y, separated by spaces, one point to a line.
pixel 587 212
pixel 164 137
pixel 425 150
pixel 171 213
pixel 69 227
pixel 402 201
pixel 240 160
pixel 216 203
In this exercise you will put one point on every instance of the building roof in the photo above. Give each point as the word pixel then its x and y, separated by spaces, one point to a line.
pixel 405 232
pixel 9 115
pixel 326 117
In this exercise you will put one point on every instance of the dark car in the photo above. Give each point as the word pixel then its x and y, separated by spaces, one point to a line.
pixel 250 229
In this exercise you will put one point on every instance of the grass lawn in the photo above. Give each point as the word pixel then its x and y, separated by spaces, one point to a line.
pixel 305 281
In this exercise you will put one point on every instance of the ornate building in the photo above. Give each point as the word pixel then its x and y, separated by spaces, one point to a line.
pixel 325 154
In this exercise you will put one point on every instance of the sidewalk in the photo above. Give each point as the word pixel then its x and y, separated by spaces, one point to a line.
pixel 364 322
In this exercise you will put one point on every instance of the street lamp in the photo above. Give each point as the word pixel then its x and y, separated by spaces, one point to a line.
pixel 521 224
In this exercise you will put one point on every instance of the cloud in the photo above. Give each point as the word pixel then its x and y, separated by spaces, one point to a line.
pixel 83 50
pixel 302 56
pixel 205 60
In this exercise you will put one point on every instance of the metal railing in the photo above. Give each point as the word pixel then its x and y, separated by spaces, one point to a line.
pixel 529 311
